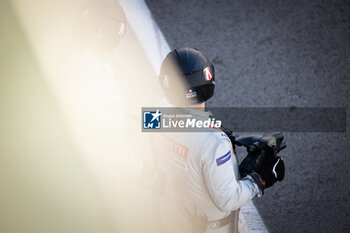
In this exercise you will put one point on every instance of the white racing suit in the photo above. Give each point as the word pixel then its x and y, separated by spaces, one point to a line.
pixel 199 181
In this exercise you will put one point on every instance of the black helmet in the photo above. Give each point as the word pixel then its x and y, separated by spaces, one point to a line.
pixel 187 77
pixel 101 25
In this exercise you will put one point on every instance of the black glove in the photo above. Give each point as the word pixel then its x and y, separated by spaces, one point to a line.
pixel 262 163
pixel 271 169
pixel 258 180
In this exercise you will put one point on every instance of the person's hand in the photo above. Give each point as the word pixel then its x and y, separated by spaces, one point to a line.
pixel 270 170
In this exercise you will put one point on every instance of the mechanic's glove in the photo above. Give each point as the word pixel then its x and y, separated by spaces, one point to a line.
pixel 271 169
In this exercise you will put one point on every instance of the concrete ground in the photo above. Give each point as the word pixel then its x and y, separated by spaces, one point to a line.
pixel 280 54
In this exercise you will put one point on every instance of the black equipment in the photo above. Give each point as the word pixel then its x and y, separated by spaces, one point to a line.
pixel 261 148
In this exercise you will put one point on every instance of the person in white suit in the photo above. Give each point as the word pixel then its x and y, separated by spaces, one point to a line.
pixel 199 185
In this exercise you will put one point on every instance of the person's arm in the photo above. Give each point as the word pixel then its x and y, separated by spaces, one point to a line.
pixel 225 190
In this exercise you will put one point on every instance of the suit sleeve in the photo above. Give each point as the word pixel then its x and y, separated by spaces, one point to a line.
pixel 226 191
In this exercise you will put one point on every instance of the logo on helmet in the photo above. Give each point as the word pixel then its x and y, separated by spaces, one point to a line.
pixel 207 74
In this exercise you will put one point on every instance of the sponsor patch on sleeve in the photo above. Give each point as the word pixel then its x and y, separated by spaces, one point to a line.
pixel 223 159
